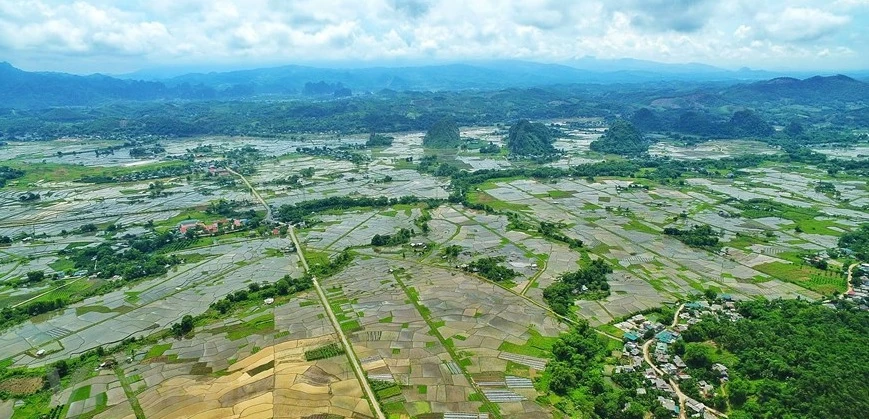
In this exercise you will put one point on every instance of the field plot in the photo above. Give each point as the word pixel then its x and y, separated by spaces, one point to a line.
pixel 275 381
pixel 447 320
pixel 426 327
pixel 625 228
pixel 147 306
pixel 228 369
pixel 394 343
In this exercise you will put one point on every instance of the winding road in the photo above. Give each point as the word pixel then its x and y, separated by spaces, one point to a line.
pixel 682 397
pixel 850 275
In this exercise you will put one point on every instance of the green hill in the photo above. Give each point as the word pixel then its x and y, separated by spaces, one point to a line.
pixel 623 138
pixel 530 139
pixel 443 134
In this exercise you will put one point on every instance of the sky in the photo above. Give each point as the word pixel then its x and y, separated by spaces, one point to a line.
pixel 122 36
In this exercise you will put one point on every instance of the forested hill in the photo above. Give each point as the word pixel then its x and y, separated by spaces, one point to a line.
pixel 815 88
pixel 37 90
pixel 22 89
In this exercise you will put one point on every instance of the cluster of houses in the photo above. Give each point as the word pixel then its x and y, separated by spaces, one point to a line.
pixel 638 330
pixel 694 311
pixel 201 228
pixel 637 326
pixel 860 292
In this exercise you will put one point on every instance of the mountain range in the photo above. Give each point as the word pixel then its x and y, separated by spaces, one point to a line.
pixel 22 89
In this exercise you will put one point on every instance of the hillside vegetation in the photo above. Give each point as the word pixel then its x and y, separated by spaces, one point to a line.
pixel 443 134
pixel 795 359
pixel 621 138
pixel 530 139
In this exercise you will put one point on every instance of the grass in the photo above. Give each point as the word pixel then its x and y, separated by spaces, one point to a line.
pixel 385 320
pixel 388 392
pixel 804 218
pixel 91 309
pixel 158 350
pixel 612 330
pixel 395 410
pixel 422 389
pixel 537 345
pixel 498 205
pixel 264 367
pixel 636 225
pixel 316 258
pixel 323 352
pixel 132 296
pixel 744 241
pixel 518 370
pixel 190 214
pixel 62 265
pixel 805 276
pixel 74 290
pixel 58 172
pixel 34 406
pixel 716 355
pixel 259 325
pixel 350 326
pixel 81 393
pixel 556 194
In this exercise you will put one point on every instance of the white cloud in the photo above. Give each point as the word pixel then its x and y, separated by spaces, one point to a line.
pixel 57 34
pixel 798 24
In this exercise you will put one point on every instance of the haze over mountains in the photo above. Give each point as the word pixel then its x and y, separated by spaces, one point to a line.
pixel 22 89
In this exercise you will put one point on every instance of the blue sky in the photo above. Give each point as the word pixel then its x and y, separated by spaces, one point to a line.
pixel 120 36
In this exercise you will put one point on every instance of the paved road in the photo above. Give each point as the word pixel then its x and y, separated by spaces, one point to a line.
pixel 682 397
pixel 357 368
pixel 269 218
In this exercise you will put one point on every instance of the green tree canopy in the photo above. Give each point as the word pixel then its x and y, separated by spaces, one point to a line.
pixel 443 134
pixel 621 138
pixel 530 139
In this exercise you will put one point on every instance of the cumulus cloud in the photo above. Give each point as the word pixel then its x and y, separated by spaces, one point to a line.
pixel 674 15
pixel 797 24
pixel 64 35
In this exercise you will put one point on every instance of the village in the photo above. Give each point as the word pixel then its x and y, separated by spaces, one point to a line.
pixel 652 349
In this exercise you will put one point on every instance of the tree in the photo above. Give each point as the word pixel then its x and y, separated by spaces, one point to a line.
pixel 307 172
pixel 62 368
pixel 378 140
pixel 452 251
pixel 35 276
pixel 184 327
pixel 562 378
pixel 223 306
pixel 710 294
pixel 794 129
pixel 283 287
pixel 738 391
pixel 697 356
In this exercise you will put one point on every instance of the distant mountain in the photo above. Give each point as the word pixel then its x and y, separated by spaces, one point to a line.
pixel 21 89
pixel 497 74
pixel 818 88
pixel 668 71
